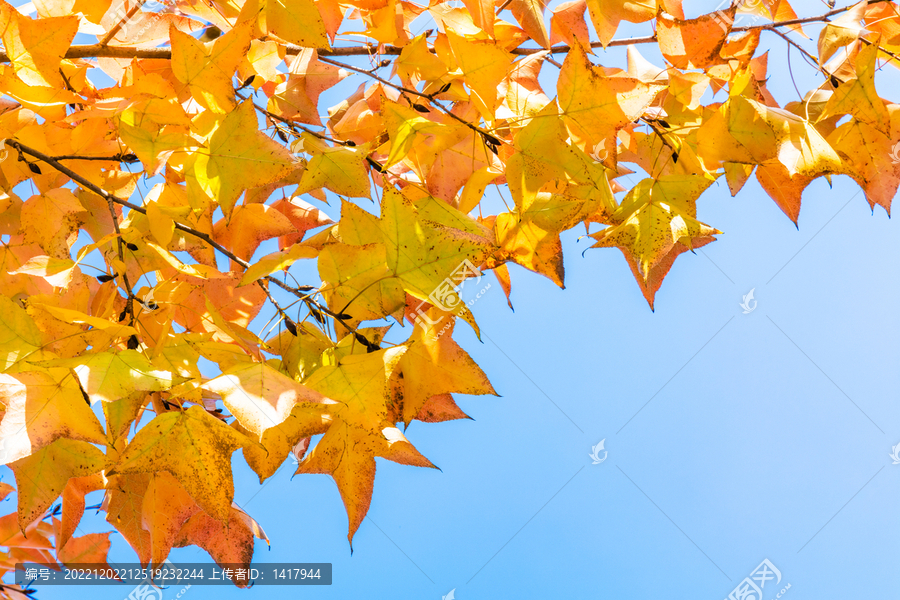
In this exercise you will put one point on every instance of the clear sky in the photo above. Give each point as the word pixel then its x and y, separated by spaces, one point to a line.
pixel 731 438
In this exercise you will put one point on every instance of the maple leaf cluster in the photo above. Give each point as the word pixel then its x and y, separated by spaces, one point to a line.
pixel 142 173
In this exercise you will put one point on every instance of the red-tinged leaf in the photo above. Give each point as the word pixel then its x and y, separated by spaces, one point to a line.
pixel 92 548
pixel 786 190
pixel 695 43
pixel 73 504
pixel 568 25
pixel 228 544
pixel 303 216
pixel 12 536
pixel 165 509
pixel 440 408
pixel 5 490
pixel 650 282
pixel 249 226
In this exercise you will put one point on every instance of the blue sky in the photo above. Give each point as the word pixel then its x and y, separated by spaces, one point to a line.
pixel 731 437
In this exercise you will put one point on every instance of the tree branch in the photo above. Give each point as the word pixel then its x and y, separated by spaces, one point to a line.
pixel 298 291
pixel 102 50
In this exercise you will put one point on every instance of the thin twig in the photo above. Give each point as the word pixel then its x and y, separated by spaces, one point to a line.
pixel 126 158
pixel 796 45
pixel 407 90
pixel 299 291
pixel 120 245
pixel 292 326
pixel 110 197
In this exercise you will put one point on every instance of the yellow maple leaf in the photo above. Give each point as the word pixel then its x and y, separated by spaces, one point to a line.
pixel 361 431
pixel 607 14
pixel 654 216
pixel 207 68
pixel 42 407
pixel 237 156
pixel 598 101
pixel 193 446
pixel 259 396
pixel 35 47
pixel 41 476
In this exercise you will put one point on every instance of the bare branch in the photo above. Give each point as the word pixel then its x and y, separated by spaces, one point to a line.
pixel 103 50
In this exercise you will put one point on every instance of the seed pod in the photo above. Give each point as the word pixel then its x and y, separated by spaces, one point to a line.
pixel 34 168
pixel 132 247
pixel 133 342
pixel 490 140
pixel 289 325
pixel 105 278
